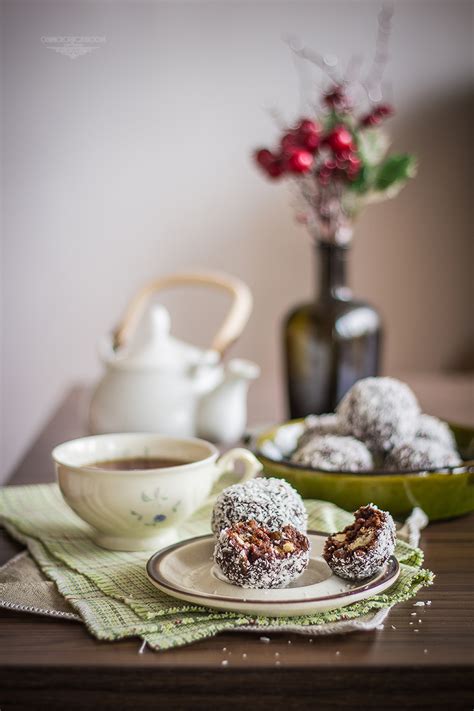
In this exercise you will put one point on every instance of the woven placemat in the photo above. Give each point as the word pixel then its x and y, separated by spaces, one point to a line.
pixel 110 593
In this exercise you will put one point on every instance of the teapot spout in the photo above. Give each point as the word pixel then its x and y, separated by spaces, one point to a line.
pixel 222 413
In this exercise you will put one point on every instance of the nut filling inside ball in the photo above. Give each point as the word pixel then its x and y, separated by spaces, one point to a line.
pixel 252 556
pixel 360 549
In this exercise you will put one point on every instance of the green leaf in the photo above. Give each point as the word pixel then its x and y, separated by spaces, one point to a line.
pixel 362 182
pixel 395 169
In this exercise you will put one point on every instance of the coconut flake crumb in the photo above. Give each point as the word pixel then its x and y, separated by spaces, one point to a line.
pixel 416 630
pixel 428 602
pixel 224 662
pixel 277 663
pixel 412 614
pixel 425 651
pixel 420 622
pixel 420 603
pixel 244 655
pixel 338 652
pixel 265 640
pixel 393 627
pixel 380 627
pixel 410 623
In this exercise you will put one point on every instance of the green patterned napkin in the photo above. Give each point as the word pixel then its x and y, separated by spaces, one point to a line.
pixel 112 594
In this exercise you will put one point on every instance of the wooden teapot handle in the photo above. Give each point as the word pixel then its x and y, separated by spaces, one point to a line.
pixel 234 322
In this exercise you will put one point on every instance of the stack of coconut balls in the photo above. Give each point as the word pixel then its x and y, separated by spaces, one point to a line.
pixel 378 423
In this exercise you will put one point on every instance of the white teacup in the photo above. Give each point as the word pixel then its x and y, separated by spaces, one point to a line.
pixel 140 509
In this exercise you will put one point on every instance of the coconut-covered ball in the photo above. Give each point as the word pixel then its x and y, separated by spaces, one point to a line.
pixel 435 430
pixel 382 412
pixel 252 556
pixel 362 548
pixel 334 454
pixel 318 425
pixel 271 502
pixel 421 454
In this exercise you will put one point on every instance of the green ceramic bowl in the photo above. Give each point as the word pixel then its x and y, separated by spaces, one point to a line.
pixel 440 494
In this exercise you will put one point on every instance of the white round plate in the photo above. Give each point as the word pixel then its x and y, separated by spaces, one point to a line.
pixel 187 571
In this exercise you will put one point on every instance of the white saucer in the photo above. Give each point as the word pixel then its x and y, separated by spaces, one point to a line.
pixel 187 571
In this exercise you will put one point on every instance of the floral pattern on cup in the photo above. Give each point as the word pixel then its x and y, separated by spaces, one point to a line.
pixel 157 518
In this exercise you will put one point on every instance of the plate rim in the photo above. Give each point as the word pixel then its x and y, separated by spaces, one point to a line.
pixel 392 572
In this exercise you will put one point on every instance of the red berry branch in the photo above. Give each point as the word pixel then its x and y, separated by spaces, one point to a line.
pixel 338 157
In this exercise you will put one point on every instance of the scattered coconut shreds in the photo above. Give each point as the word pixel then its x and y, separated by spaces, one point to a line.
pixel 416 630
pixel 410 623
pixel 428 602
pixel 289 641
pixel 412 614
pixel 393 627
pixel 224 662
pixel 244 655
pixel 425 651
pixel 338 652
pixel 142 648
pixel 420 622
pixel 224 649
pixel 277 663
pixel 265 640
pixel 311 641
pixel 380 627
pixel 420 603
pixel 277 654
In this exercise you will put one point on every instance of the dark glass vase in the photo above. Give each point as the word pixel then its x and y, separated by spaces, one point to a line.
pixel 331 342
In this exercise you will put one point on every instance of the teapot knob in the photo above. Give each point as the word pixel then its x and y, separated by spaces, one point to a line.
pixel 160 321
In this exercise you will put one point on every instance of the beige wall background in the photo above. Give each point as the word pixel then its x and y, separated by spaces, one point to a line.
pixel 133 161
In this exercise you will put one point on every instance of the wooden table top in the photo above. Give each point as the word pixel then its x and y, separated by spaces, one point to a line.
pixel 54 663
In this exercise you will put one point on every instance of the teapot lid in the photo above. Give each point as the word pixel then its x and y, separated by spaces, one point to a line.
pixel 154 347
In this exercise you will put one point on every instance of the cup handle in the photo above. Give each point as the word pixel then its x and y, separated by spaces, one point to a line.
pixel 227 461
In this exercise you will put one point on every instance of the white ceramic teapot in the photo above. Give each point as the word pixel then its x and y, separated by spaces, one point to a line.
pixel 156 383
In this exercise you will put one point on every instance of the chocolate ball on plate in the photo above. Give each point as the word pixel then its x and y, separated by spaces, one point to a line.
pixel 252 556
pixel 357 552
pixel 269 501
